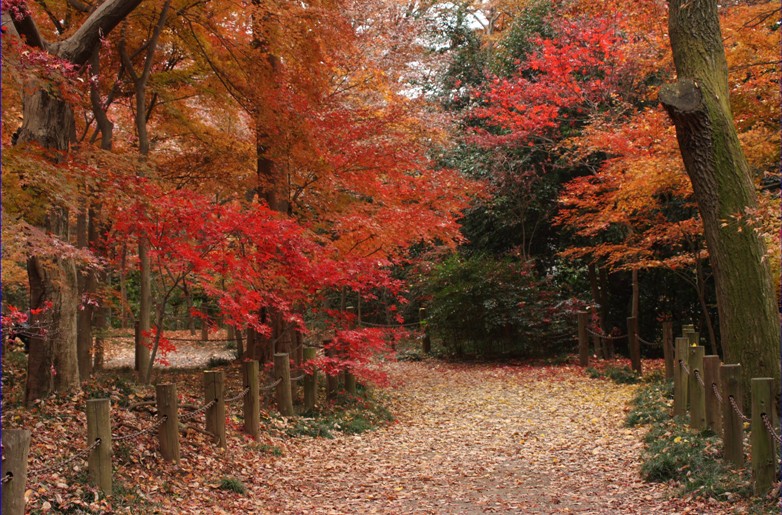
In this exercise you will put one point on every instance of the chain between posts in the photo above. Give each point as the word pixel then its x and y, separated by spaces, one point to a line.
pixel 239 395
pixel 136 434
pixel 196 412
pixel 737 410
pixel 770 428
pixel 81 454
pixel 699 378
pixel 716 391
pixel 271 386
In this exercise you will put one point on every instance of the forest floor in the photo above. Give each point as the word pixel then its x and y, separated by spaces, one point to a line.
pixel 466 438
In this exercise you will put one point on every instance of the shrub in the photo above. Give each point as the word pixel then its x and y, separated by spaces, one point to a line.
pixel 486 306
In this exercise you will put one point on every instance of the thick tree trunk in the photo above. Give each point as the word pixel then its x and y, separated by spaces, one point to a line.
pixel 52 363
pixel 699 107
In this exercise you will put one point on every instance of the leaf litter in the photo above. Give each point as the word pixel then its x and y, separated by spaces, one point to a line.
pixel 467 439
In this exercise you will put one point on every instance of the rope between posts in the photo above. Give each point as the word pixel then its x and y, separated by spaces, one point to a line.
pixel 7 477
pixel 298 378
pixel 151 428
pixel 271 386
pixel 736 409
pixel 684 367
pixel 81 454
pixel 385 326
pixel 770 428
pixel 646 342
pixel 196 412
pixel 716 391
pixel 605 337
pixel 239 395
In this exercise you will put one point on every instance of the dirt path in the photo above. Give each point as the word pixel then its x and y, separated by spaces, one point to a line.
pixel 472 439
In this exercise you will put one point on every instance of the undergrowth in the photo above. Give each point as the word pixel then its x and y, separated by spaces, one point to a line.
pixel 676 453
pixel 348 414
pixel 620 375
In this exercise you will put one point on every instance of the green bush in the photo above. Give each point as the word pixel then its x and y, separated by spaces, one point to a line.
pixel 215 362
pixel 486 306
pixel 232 485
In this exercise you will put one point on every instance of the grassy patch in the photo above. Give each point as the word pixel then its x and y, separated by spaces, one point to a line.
pixel 215 362
pixel 232 484
pixel 348 414
pixel 675 452
pixel 651 404
pixel 268 449
pixel 620 375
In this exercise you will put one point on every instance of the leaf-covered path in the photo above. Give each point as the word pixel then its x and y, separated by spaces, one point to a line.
pixel 478 439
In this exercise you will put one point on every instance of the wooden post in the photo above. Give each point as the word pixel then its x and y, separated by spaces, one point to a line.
pixel 668 350
pixel 204 331
pixel 214 390
pixel 732 425
pixel 635 345
pixel 332 382
pixel 99 460
pixel 711 376
pixel 687 328
pixel 350 382
pixel 310 380
pixel 427 341
pixel 764 461
pixel 693 338
pixel 168 433
pixel 252 401
pixel 16 446
pixel 282 370
pixel 680 378
pixel 697 393
pixel 583 339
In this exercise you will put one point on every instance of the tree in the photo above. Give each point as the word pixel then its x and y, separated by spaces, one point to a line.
pixel 698 104
pixel 48 121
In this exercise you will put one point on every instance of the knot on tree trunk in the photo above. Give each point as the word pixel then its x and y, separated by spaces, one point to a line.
pixel 683 96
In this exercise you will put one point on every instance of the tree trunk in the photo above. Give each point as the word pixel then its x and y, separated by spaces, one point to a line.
pixel 85 309
pixel 145 310
pixel 699 106
pixel 52 362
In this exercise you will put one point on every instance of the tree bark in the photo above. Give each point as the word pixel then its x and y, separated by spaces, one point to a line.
pixel 86 290
pixel 699 106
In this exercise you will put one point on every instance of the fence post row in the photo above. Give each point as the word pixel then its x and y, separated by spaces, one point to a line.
pixel 214 390
pixel 583 340
pixel 668 349
pixel 16 442
pixel 764 461
pixel 634 343
pixel 310 380
pixel 168 432
pixel 252 401
pixel 282 371
pixel 732 424
pixel 680 378
pixel 16 446
pixel 427 341
pixel 695 388
pixel 711 379
pixel 99 459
